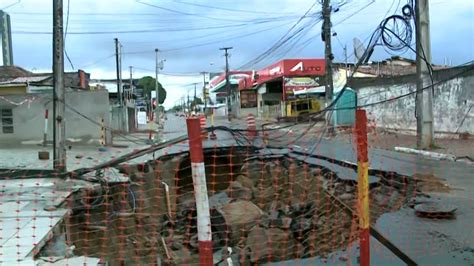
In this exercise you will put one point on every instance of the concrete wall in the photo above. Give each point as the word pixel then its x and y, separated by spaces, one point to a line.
pixel 268 111
pixel 28 115
pixel 453 100
pixel 244 112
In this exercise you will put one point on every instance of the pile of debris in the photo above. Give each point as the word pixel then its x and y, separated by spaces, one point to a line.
pixel 278 209
pixel 262 210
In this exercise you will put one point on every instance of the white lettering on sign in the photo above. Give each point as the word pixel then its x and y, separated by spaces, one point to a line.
pixel 274 70
pixel 298 66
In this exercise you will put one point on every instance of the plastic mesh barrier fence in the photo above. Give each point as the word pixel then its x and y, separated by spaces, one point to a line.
pixel 288 195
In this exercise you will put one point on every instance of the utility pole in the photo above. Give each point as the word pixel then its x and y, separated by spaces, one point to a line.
pixel 204 91
pixel 328 50
pixel 120 92
pixel 59 110
pixel 189 105
pixel 346 61
pixel 157 89
pixel 424 97
pixel 118 70
pixel 227 83
pixel 130 91
pixel 195 97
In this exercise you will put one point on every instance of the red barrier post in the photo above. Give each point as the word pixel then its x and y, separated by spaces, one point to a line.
pixel 363 186
pixel 150 132
pixel 200 192
pixel 203 124
pixel 251 126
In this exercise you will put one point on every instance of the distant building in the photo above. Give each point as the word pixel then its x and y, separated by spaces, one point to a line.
pixel 133 98
pixel 267 91
pixel 393 66
pixel 26 97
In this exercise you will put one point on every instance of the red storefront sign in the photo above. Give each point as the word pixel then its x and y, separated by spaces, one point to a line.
pixel 292 68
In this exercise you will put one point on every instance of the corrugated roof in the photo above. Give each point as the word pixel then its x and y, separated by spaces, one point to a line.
pixel 27 79
pixel 11 72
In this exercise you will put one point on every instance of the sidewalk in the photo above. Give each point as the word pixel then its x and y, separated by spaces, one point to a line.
pixel 389 140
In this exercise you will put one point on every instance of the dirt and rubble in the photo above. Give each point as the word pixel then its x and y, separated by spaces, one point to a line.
pixel 262 210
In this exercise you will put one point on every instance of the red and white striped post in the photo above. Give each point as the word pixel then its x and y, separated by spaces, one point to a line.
pixel 203 124
pixel 363 186
pixel 251 126
pixel 150 121
pixel 45 134
pixel 200 192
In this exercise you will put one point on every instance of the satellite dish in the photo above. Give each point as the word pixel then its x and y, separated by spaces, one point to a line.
pixel 361 52
pixel 359 49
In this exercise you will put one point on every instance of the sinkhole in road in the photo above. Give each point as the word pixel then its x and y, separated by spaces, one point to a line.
pixel 264 208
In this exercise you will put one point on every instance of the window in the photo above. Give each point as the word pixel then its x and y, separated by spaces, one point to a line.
pixel 302 106
pixel 7 121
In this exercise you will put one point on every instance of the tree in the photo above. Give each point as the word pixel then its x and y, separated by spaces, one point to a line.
pixel 197 101
pixel 177 108
pixel 149 84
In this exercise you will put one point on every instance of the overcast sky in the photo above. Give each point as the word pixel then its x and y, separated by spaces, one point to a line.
pixel 190 33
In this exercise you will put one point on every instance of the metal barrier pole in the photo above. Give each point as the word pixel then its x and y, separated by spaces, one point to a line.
pixel 363 186
pixel 102 139
pixel 45 133
pixel 200 192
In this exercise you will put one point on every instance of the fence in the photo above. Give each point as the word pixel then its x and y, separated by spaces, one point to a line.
pixel 295 198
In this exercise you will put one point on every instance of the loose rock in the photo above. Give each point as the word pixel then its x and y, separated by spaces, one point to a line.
pixel 240 216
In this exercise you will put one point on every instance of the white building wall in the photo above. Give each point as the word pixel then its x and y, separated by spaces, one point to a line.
pixel 28 115
pixel 453 103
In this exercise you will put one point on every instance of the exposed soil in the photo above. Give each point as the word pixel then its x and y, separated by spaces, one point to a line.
pixel 264 209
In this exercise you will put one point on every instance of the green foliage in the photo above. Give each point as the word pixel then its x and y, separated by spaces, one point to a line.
pixel 197 101
pixel 149 84
pixel 177 108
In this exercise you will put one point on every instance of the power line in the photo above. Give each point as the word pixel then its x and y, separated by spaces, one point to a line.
pixel 185 13
pixel 98 61
pixel 65 34
pixel 220 40
pixel 223 8
pixel 86 14
pixel 294 50
pixel 11 5
pixel 143 31
pixel 280 41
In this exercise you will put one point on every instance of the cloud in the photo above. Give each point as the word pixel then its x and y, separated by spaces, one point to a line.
pixel 451 27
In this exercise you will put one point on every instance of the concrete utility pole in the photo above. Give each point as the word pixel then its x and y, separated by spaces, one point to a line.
pixel 328 50
pixel 189 105
pixel 6 32
pixel 204 90
pixel 120 92
pixel 59 142
pixel 424 98
pixel 157 89
pixel 130 90
pixel 346 61
pixel 118 70
pixel 227 83
pixel 195 97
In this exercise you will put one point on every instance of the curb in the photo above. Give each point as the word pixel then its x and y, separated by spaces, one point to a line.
pixel 433 155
